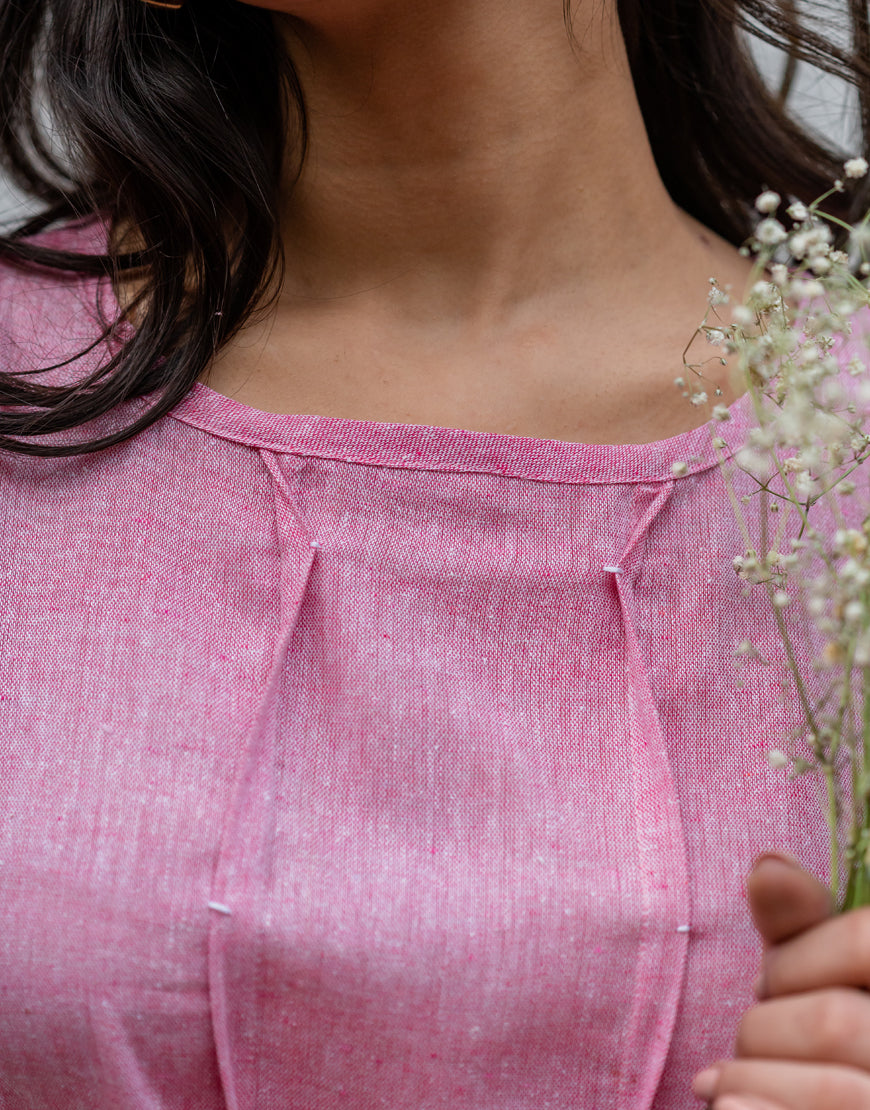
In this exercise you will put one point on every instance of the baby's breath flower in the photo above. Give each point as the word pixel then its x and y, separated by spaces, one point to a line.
pixel 679 468
pixel 762 438
pixel 743 316
pixel 716 296
pixel 813 410
pixel 861 658
pixel 806 289
pixel 854 573
pixel 768 201
pixel 770 232
pixel 753 462
pixel 805 485
pixel 810 240
pixel 764 296
pixel 817 606
pixel 798 243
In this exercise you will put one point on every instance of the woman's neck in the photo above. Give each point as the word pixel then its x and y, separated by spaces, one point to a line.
pixel 467 160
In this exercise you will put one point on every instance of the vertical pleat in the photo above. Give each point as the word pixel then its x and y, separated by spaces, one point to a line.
pixel 245 862
pixel 665 926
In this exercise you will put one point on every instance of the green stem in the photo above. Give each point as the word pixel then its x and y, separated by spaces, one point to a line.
pixel 832 829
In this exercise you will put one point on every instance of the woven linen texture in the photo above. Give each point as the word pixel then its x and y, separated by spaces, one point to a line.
pixel 362 765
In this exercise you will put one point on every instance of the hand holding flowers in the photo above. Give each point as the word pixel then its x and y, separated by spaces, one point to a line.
pixel 806 1045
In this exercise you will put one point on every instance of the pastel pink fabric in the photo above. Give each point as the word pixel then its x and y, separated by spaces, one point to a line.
pixel 366 765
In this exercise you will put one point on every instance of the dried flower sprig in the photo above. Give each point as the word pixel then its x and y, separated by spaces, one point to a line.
pixel 804 459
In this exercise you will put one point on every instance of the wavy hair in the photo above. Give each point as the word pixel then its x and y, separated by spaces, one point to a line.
pixel 154 103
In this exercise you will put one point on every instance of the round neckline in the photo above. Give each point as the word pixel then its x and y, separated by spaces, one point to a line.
pixel 432 447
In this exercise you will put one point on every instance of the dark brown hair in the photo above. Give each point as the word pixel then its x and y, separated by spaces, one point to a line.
pixel 155 105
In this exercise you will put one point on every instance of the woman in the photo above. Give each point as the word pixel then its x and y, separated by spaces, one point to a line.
pixel 372 735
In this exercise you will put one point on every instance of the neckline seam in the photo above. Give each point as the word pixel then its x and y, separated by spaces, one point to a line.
pixel 255 443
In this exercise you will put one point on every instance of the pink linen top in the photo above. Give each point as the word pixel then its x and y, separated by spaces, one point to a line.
pixel 371 765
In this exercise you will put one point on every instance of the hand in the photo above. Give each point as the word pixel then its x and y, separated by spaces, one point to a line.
pixel 806 1045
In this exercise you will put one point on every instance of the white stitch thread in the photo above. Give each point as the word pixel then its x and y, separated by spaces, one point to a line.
pixel 684 928
pixel 613 570
pixel 220 907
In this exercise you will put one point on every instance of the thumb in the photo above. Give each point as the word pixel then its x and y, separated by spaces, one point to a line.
pixel 784 899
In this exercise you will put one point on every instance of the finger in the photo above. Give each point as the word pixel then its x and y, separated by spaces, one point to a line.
pixel 831 1026
pixel 833 954
pixel 795 1085
pixel 745 1102
pixel 784 899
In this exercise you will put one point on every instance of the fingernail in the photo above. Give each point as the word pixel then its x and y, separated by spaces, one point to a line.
pixel 705 1082
pixel 789 861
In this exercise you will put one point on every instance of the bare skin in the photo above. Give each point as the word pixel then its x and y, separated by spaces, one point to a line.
pixel 478 244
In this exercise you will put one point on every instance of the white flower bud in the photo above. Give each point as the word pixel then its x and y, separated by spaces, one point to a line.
pixel 742 316
pixel 798 243
pixel 716 296
pixel 764 296
pixel 855 167
pixel 859 238
pixel 781 599
pixel 777 759
pixel 770 232
pixel 861 657
pixel 678 469
pixel 767 201
pixel 753 462
pixel 798 211
pixel 807 289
